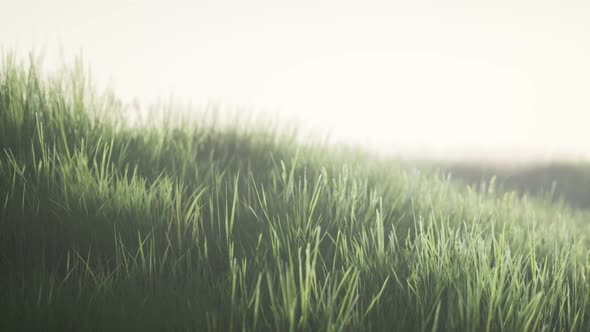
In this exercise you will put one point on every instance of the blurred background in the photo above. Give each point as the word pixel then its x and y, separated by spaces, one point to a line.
pixel 475 87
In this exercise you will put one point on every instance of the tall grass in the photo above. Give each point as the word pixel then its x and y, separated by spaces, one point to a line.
pixel 184 225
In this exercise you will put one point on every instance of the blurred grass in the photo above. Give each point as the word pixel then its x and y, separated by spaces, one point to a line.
pixel 182 224
pixel 559 182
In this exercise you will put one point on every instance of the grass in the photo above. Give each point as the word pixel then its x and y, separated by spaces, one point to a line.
pixel 183 224
pixel 561 182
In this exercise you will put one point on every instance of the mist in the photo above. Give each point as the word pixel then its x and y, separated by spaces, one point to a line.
pixel 506 81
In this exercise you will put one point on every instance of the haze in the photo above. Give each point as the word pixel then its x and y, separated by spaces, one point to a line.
pixel 494 80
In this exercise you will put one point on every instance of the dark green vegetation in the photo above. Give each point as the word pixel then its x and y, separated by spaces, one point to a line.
pixel 187 225
pixel 565 182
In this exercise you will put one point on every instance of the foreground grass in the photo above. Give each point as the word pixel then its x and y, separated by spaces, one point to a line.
pixel 185 225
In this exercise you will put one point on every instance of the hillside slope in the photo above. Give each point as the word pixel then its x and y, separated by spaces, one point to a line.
pixel 184 225
pixel 568 182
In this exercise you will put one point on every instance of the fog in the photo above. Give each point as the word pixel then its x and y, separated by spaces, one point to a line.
pixel 495 80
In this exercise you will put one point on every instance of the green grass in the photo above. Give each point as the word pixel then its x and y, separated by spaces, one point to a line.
pixel 185 224
pixel 560 182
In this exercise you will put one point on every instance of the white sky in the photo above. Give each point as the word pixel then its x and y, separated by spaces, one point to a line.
pixel 470 79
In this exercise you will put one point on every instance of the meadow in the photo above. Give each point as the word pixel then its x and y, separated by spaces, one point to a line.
pixel 565 182
pixel 180 223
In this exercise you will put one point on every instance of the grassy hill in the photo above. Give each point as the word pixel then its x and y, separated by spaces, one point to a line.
pixel 181 224
pixel 567 183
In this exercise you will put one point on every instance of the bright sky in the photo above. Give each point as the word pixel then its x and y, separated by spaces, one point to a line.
pixel 449 79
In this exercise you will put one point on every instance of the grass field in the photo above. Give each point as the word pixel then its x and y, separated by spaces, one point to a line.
pixel 568 182
pixel 184 224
